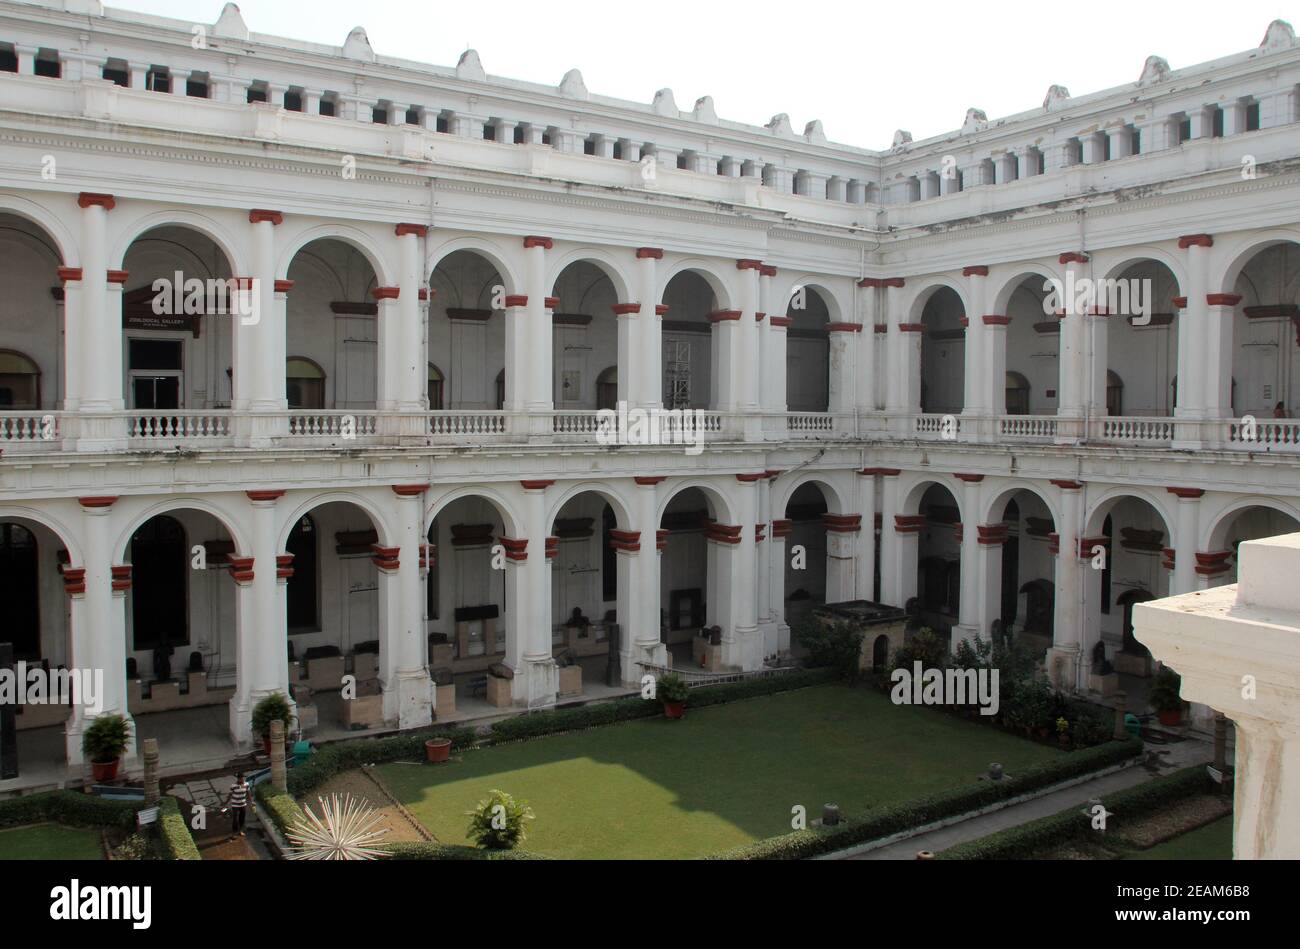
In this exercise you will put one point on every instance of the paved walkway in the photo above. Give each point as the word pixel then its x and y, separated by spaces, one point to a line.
pixel 214 841
pixel 1160 761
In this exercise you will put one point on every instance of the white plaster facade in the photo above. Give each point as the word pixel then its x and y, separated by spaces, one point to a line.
pixel 454 271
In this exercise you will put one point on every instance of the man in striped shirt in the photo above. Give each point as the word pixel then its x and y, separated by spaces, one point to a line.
pixel 237 803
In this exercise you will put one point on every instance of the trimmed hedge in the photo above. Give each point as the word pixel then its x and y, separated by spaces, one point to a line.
pixel 1028 840
pixel 68 807
pixel 435 851
pixel 177 843
pixel 334 759
pixel 875 824
pixel 551 721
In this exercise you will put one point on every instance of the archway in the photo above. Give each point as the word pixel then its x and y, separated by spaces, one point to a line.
pixel 1253 522
pixel 805 554
pixel 943 353
pixel 585 335
pixel 695 578
pixel 1033 349
pixel 467 335
pixel 807 352
pixel 1265 361
pixel 1027 584
pixel 182 358
pixel 1142 347
pixel 690 369
pixel 32 341
pixel 938 561
pixel 333 325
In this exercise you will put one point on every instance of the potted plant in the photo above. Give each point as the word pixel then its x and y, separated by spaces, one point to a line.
pixel 1164 697
pixel 671 690
pixel 437 750
pixel 273 707
pixel 103 742
pixel 1063 732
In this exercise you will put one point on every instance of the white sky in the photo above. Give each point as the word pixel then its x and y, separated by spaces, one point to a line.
pixel 864 72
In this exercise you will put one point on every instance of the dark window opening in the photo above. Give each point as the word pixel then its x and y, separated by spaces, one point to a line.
pixel 257 93
pixel 1216 124
pixel 196 87
pixel 8 58
pixel 1252 117
pixel 118 75
pixel 293 101
pixel 48 65
pixel 19 588
pixel 159 588
pixel 609 559
pixel 158 79
pixel 327 107
pixel 301 589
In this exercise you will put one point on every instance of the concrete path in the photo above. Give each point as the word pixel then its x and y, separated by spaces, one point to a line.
pixel 1161 760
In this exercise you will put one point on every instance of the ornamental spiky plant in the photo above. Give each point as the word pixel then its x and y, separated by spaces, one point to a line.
pixel 342 832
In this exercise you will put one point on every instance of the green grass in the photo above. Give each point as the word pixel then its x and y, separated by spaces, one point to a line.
pixel 720 778
pixel 51 842
pixel 1211 842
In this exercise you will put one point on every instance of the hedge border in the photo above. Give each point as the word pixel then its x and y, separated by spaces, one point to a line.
pixel 1071 824
pixel 875 824
pixel 78 809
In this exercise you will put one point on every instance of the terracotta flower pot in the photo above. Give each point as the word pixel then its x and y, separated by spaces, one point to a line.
pixel 437 749
pixel 105 770
pixel 674 709
pixel 1170 717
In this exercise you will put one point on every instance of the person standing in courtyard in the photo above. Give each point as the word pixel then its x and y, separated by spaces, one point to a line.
pixel 237 802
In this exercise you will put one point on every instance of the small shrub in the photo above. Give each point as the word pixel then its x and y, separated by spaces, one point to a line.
pixel 672 688
pixel 830 645
pixel 498 821
pixel 1165 687
pixel 273 707
pixel 105 738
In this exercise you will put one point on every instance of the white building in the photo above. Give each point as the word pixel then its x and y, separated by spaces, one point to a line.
pixel 447 274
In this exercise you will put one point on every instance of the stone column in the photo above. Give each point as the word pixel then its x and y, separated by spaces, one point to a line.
pixel 990 540
pixel 647 337
pixel 995 363
pixel 404 671
pixel 746 650
pixel 81 655
pixel 781 529
pixel 537 683
pixel 865 375
pixel 865 554
pixel 1194 333
pixel 968 619
pixel 1073 357
pixel 99 324
pixel 103 587
pixel 747 367
pixel 891 549
pixel 771 396
pixel 762 536
pixel 842 532
pixel 1217 373
pixel 1183 543
pixel 1063 657
pixel 977 363
pixel 642 640
pixel 539 334
pixel 727 356
pixel 405 377
pixel 71 308
pixel 1237 649
pixel 843 372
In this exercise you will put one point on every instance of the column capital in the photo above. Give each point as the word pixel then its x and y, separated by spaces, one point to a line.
pixel 516 548
pixel 991 535
pixel 871 283
pixel 1212 563
pixel 1222 299
pixel 387 559
pixel 649 253
pixel 625 309
pixel 994 319
pixel 896 283
pixel 69 274
pixel 386 293
pixel 1186 494
pixel 884 472
pixel 97 503
pixel 728 534
pixel 648 481
pixel 969 478
pixel 748 264
pixel 515 300
pixel 543 242
pixel 722 316
pixel 118 276
pixel 121 574
pixel 767 270
pixel 90 199
pixel 1073 257
pixel 74 581
pixel 843 328
pixel 782 527
pixel 241 569
pixel 409 490
pixel 1195 240
pixel 267 495
pixel 1169 559
pixel 980 270
pixel 552 548
pixel 1066 485
pixel 751 478
pixel 263 216
pixel 283 286
pixel 536 485
pixel 842 523
pixel 625 540
pixel 908 523
pixel 418 230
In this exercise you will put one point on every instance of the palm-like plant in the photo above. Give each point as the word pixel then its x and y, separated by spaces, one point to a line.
pixel 344 831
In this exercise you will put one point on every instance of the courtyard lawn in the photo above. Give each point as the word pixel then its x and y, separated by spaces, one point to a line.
pixel 1211 842
pixel 51 842
pixel 720 778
